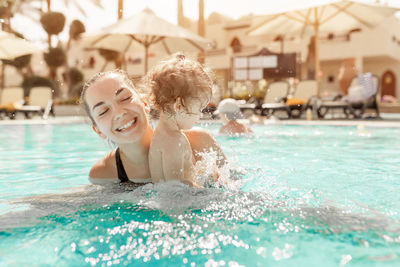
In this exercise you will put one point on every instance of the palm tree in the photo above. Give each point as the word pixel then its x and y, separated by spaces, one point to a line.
pixel 120 9
pixel 10 7
pixel 180 13
pixel 200 28
pixel 200 24
pixel 7 9
pixel 53 23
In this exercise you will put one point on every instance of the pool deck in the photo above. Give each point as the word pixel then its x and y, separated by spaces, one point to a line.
pixel 387 122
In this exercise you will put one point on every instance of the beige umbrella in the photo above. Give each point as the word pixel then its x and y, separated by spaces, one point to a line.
pixel 12 46
pixel 323 16
pixel 146 30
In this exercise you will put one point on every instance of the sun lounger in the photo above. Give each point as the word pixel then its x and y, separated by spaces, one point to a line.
pixel 386 107
pixel 334 104
pixel 40 99
pixel 274 99
pixel 369 86
pixel 10 99
pixel 305 92
pixel 252 105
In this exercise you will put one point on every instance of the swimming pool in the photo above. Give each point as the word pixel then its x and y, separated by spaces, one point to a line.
pixel 306 196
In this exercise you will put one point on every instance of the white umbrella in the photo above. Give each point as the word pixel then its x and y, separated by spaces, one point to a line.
pixel 144 30
pixel 12 46
pixel 327 16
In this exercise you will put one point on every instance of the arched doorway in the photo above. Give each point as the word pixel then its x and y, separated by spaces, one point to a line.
pixel 388 83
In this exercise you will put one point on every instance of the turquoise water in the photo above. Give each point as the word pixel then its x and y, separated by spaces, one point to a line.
pixel 301 196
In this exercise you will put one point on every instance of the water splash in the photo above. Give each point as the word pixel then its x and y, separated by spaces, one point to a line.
pixel 229 176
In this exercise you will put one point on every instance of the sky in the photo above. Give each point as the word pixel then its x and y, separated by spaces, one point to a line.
pixel 166 9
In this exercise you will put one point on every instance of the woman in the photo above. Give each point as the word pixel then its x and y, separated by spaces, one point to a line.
pixel 118 114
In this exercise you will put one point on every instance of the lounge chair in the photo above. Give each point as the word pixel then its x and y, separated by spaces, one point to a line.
pixel 306 91
pixel 10 99
pixel 275 98
pixel 368 98
pixel 392 106
pixel 40 102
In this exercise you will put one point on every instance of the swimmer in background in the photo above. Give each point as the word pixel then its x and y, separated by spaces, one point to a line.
pixel 229 112
pixel 180 89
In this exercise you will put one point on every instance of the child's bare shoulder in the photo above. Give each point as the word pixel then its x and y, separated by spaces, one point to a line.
pixel 170 141
pixel 200 138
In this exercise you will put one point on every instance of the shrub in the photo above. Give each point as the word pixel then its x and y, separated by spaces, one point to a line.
pixel 53 22
pixel 5 8
pixel 75 76
pixel 55 57
pixel 76 29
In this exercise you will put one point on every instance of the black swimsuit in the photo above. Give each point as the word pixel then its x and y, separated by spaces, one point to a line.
pixel 120 168
pixel 122 176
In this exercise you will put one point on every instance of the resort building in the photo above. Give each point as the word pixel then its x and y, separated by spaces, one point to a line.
pixel 375 50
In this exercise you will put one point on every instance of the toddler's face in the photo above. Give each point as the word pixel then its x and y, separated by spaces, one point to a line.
pixel 186 118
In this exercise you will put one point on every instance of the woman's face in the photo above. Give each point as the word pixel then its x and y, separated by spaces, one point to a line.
pixel 117 110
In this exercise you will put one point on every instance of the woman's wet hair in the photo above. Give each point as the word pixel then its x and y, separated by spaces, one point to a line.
pixel 96 77
pixel 178 77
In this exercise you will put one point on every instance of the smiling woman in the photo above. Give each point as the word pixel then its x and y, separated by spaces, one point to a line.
pixel 118 114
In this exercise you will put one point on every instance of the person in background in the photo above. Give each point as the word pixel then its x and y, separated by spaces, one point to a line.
pixel 180 89
pixel 229 112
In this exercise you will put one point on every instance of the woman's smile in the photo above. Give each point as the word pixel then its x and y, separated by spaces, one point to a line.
pixel 126 127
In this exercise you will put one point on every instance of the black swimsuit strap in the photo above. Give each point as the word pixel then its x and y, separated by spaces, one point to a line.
pixel 120 168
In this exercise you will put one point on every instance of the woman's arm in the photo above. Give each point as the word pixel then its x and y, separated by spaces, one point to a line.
pixel 104 169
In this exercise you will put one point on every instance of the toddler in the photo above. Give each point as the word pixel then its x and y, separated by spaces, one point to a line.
pixel 180 89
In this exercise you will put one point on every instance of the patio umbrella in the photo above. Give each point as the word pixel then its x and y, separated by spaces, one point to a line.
pixel 323 16
pixel 145 30
pixel 12 46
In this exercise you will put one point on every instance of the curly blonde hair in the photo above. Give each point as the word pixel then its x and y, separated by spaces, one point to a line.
pixel 175 78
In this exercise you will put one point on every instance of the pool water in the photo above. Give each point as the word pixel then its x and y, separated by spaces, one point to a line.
pixel 301 196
